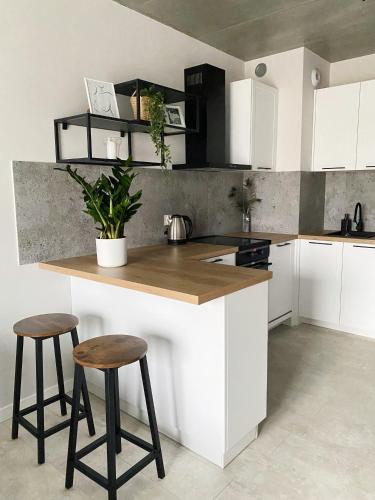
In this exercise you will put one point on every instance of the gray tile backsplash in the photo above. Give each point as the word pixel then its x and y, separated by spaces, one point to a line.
pixel 343 191
pixel 51 224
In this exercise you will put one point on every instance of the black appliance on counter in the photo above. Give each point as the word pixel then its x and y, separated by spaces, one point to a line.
pixel 252 252
pixel 205 150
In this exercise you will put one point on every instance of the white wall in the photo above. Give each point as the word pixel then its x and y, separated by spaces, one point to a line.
pixel 284 71
pixel 353 70
pixel 290 73
pixel 310 61
pixel 46 48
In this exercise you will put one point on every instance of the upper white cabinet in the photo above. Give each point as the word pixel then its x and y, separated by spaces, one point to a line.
pixel 320 280
pixel 280 287
pixel 335 127
pixel 253 124
pixel 366 127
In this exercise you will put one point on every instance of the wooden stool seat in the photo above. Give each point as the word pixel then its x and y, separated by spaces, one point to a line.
pixel 110 351
pixel 45 325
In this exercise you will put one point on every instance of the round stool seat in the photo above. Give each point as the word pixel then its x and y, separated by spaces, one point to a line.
pixel 110 351
pixel 45 325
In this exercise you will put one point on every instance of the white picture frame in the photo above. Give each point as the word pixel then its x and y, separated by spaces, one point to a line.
pixel 102 98
pixel 174 116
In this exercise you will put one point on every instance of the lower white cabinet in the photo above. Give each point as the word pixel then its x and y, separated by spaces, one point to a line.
pixel 320 280
pixel 229 259
pixel 281 285
pixel 358 288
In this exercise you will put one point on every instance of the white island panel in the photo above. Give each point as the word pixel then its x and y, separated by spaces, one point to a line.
pixel 208 363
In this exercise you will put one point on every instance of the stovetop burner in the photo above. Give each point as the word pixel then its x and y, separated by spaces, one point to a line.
pixel 241 243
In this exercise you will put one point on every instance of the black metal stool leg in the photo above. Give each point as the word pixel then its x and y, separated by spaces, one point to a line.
pixel 40 399
pixel 111 431
pixel 85 392
pixel 117 413
pixel 60 376
pixel 78 372
pixel 152 416
pixel 17 387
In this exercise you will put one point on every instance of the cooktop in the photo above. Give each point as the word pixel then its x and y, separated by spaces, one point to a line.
pixel 241 243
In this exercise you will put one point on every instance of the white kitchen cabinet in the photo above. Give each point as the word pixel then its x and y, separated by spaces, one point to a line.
pixel 366 127
pixel 335 127
pixel 358 288
pixel 320 280
pixel 253 124
pixel 281 286
pixel 229 259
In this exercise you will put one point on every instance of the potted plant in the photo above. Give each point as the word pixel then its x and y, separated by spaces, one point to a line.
pixel 109 202
pixel 244 200
pixel 155 111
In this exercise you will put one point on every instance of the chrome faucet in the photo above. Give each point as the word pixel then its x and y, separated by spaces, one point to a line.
pixel 358 221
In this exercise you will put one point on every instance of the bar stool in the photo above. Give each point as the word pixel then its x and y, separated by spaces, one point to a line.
pixel 40 328
pixel 108 353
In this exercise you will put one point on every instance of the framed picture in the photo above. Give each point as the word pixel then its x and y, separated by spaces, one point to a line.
pixel 174 116
pixel 102 98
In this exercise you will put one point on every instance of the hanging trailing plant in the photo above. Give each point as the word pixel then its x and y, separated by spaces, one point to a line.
pixel 156 110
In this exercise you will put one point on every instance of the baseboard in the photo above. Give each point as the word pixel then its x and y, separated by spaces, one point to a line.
pixel 6 411
pixel 239 446
pixel 340 328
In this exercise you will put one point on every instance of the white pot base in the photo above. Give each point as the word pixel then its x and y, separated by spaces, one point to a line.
pixel 111 253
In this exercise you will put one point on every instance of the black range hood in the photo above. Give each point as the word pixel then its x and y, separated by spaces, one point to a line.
pixel 205 150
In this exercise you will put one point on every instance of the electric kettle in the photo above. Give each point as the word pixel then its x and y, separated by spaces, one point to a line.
pixel 179 229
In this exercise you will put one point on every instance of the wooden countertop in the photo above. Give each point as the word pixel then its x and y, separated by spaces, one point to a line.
pixel 167 271
pixel 274 237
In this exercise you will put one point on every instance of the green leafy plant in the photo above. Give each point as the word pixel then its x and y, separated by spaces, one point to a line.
pixel 245 198
pixel 156 109
pixel 108 200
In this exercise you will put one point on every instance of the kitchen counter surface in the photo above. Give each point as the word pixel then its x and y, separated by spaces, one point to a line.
pixel 167 271
pixel 274 237
pixel 323 236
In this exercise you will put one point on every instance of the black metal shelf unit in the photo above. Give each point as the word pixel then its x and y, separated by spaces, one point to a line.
pixel 124 126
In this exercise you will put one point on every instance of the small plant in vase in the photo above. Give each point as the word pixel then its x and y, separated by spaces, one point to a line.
pixel 244 200
pixel 156 115
pixel 109 202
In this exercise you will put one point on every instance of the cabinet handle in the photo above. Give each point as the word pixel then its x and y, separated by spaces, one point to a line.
pixel 283 244
pixel 364 246
pixel 319 243
pixel 216 260
pixel 333 168
pixel 264 168
pixel 370 166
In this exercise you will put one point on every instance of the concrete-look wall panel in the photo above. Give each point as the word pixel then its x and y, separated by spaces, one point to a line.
pixel 343 191
pixel 278 210
pixel 51 223
pixel 312 198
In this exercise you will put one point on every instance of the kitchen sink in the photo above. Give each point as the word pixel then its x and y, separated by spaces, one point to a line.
pixel 353 234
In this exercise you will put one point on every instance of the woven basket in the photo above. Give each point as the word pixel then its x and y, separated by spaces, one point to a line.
pixel 144 105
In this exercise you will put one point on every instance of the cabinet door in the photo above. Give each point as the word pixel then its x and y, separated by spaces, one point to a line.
pixel 366 127
pixel 239 122
pixel 358 287
pixel 280 288
pixel 320 280
pixel 263 126
pixel 335 127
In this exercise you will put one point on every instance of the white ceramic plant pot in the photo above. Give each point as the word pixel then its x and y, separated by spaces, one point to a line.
pixel 111 253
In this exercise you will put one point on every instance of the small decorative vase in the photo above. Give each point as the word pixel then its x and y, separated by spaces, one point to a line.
pixel 113 147
pixel 246 223
pixel 111 253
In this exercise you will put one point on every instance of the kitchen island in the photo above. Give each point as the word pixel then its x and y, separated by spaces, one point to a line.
pixel 206 327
